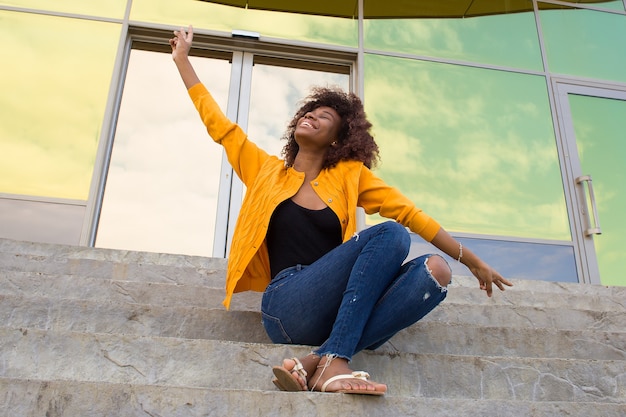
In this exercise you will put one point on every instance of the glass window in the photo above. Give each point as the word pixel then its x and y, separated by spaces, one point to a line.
pixel 474 148
pixel 108 8
pixel 585 43
pixel 275 92
pixel 516 260
pixel 161 193
pixel 41 220
pixel 499 39
pixel 600 124
pixel 53 101
pixel 609 5
pixel 310 28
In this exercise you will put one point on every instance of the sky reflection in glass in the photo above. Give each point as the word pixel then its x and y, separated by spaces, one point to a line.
pixel 600 126
pixel 507 39
pixel 53 101
pixel 474 148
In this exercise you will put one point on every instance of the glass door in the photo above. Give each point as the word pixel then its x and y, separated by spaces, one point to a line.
pixel 162 185
pixel 269 93
pixel 169 188
pixel 594 126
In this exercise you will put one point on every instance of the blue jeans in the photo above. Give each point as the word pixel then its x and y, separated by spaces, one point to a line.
pixel 355 297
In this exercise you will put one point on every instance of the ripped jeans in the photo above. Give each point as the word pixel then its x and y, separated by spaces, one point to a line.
pixel 355 297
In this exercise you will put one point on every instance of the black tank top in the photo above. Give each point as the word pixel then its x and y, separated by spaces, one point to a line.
pixel 297 235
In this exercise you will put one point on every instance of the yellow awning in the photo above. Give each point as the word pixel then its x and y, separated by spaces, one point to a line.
pixel 393 9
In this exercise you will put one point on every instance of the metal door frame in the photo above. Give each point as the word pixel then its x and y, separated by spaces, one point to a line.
pixel 577 187
pixel 231 188
pixel 243 47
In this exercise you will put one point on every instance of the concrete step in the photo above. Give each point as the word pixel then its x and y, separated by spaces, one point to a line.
pixel 101 316
pixel 123 359
pixel 427 336
pixel 119 265
pixel 107 332
pixel 462 291
pixel 42 258
pixel 133 265
pixel 86 399
pixel 52 265
pixel 516 308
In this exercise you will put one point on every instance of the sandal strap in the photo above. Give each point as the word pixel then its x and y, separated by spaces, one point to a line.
pixel 354 375
pixel 299 368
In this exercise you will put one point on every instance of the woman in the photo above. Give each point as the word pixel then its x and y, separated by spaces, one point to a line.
pixel 324 284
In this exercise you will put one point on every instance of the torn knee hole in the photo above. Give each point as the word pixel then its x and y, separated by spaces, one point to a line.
pixel 439 270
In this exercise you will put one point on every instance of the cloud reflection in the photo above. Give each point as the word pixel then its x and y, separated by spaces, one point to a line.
pixel 162 188
pixel 463 148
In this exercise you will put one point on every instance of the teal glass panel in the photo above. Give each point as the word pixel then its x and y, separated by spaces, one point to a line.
pixel 474 148
pixel 617 5
pixel 502 39
pixel 101 8
pixel 612 5
pixel 585 43
pixel 201 14
pixel 600 124
pixel 54 94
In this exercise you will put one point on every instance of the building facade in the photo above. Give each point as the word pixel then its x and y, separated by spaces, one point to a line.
pixel 504 120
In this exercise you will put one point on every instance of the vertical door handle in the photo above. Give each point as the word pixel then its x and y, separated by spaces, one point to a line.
pixel 594 224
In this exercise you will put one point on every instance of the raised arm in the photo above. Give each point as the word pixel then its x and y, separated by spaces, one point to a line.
pixel 485 274
pixel 181 44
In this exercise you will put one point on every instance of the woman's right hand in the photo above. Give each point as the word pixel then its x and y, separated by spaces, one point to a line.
pixel 181 42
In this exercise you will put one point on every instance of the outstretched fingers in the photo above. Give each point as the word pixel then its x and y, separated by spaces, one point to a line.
pixel 501 282
pixel 487 276
pixel 494 278
pixel 187 36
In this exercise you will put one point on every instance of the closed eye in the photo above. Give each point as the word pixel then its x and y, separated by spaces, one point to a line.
pixel 327 115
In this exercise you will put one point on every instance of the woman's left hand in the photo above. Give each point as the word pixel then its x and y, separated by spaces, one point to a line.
pixel 487 276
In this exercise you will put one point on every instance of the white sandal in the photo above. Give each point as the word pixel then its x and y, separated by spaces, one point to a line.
pixel 354 375
pixel 285 381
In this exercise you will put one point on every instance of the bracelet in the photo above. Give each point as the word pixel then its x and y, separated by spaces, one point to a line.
pixel 460 252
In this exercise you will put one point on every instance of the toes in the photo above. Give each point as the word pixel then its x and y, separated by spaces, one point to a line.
pixel 350 385
pixel 299 379
pixel 289 363
pixel 360 385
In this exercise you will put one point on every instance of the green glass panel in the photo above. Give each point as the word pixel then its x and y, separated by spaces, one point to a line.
pixel 54 93
pixel 474 148
pixel 504 39
pixel 609 5
pixel 322 29
pixel 102 8
pixel 585 43
pixel 599 125
pixel 612 5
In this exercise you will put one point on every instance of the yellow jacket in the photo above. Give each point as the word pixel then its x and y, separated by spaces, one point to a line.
pixel 344 187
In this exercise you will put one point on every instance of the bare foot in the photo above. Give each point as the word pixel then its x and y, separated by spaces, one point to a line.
pixel 339 366
pixel 309 363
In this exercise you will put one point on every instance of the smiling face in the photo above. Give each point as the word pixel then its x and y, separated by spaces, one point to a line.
pixel 326 115
pixel 318 128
